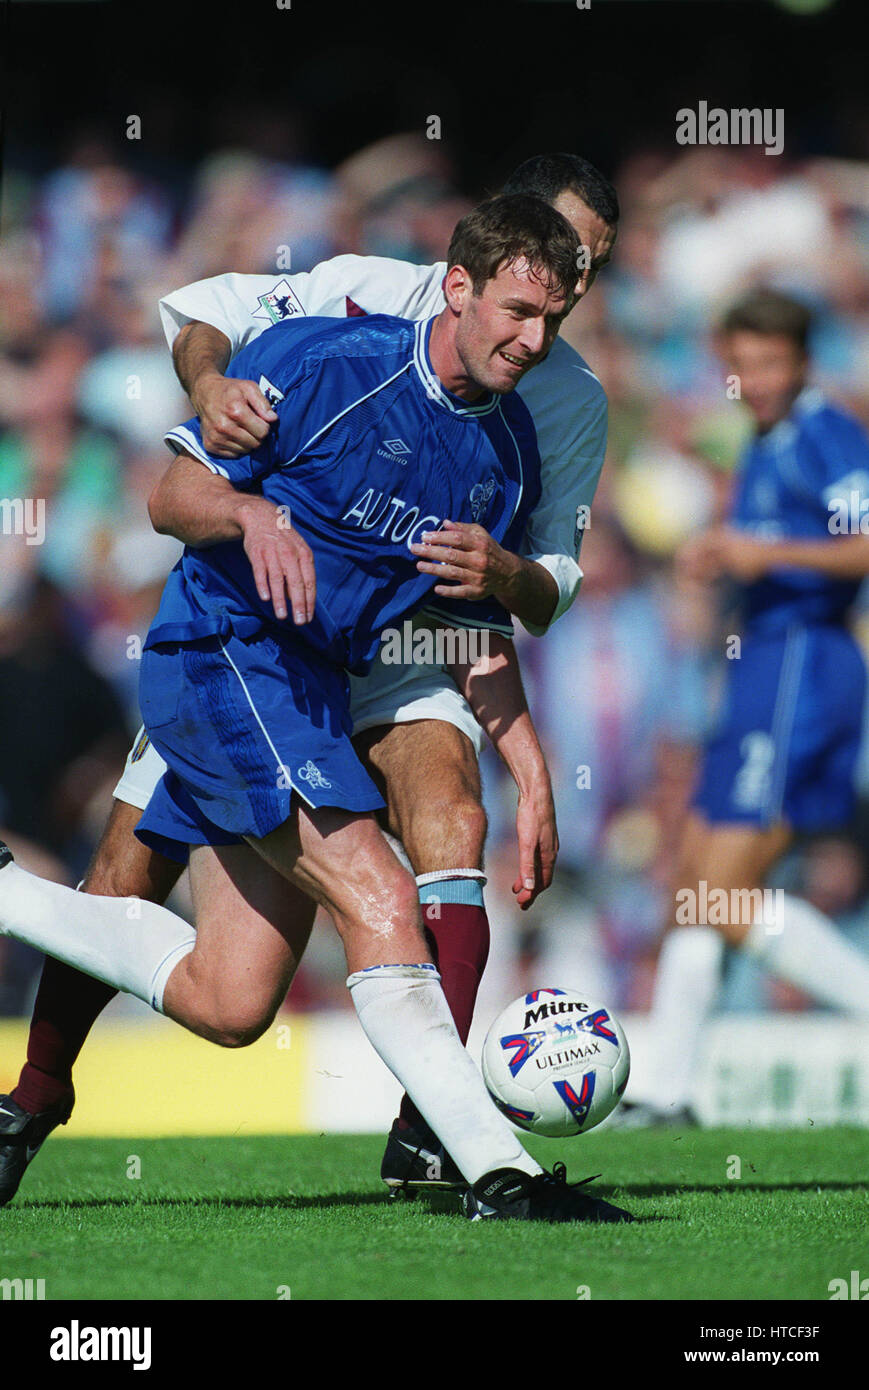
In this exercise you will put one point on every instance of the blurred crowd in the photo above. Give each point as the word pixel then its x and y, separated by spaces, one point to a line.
pixel 623 686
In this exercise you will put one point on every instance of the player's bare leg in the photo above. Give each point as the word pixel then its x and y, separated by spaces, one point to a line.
pixel 429 776
pixel 342 861
pixel 725 858
pixel 718 901
pixel 122 867
pixel 348 867
pixel 252 930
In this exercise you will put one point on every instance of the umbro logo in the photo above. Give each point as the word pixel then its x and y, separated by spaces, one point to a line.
pixel 395 450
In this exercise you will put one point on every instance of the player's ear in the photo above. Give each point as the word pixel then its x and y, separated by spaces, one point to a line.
pixel 457 287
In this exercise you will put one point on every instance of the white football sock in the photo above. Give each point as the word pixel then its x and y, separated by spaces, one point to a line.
pixel 687 981
pixel 126 942
pixel 407 1020
pixel 805 948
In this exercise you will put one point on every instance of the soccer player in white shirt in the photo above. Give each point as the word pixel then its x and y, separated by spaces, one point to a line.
pixel 412 726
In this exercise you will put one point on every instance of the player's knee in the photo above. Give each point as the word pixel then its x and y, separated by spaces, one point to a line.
pixel 390 918
pixel 216 1008
pixel 239 1025
pixel 447 833
pixel 401 901
pixel 707 903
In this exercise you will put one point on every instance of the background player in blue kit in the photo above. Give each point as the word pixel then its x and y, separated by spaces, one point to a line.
pixel 276 808
pixel 782 756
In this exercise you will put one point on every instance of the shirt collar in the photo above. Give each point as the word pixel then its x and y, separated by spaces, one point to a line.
pixel 432 385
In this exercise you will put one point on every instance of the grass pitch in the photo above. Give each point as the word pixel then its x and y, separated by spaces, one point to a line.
pixel 307 1217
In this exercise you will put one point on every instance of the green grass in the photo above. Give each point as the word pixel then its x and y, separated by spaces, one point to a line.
pixel 237 1218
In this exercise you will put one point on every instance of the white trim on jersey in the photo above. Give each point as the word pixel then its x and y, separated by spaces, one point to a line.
pixel 433 387
pixel 518 459
pixel 189 444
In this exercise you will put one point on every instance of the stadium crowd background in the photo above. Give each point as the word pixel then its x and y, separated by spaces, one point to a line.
pixel 623 686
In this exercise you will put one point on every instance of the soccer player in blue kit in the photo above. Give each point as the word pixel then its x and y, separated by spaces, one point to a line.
pixel 782 756
pixel 250 709
pixel 412 726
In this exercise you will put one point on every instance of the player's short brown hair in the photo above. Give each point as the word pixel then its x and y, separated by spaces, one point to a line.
pixel 512 227
pixel 771 314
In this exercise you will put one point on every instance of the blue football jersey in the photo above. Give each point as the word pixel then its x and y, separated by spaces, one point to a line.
pixel 807 478
pixel 369 451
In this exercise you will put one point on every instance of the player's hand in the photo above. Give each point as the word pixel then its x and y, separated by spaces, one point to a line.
pixel 281 560
pixel 723 550
pixel 466 554
pixel 235 415
pixel 744 557
pixel 697 559
pixel 538 845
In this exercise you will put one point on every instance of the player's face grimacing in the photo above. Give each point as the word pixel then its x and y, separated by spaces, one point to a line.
pixel 506 330
pixel 771 370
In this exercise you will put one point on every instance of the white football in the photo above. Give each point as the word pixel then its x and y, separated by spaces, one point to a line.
pixel 555 1062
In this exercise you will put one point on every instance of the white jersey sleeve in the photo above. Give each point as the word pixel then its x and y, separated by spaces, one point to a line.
pixel 569 408
pixel 242 306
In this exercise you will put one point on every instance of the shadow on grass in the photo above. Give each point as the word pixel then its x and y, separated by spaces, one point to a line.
pixel 737 1185
pixel 287 1202
pixel 440 1204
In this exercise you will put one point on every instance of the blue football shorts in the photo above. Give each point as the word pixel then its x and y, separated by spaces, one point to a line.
pixel 244 724
pixel 787 740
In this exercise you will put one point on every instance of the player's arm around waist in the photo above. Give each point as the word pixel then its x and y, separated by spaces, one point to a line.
pixel 203 509
pixel 493 688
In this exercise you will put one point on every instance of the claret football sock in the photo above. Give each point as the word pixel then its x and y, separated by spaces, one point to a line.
pixel 457 932
pixel 133 945
pixel 67 1004
pixel 66 1007
pixel 406 1018
pixel 805 948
